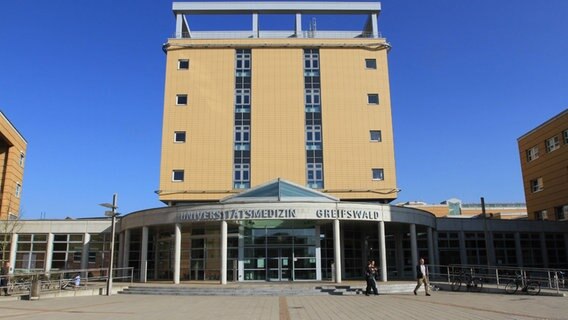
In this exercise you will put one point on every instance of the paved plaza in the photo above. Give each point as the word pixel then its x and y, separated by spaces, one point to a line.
pixel 441 305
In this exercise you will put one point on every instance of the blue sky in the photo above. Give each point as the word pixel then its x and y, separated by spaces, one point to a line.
pixel 83 82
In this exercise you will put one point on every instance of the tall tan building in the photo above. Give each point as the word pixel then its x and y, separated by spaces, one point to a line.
pixel 242 108
pixel 544 163
pixel 12 159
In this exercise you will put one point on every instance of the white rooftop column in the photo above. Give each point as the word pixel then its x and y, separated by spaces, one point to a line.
pixel 255 25
pixel 413 248
pixel 49 253
pixel 144 255
pixel 375 25
pixel 177 253
pixel 299 33
pixel 383 251
pixel 13 249
pixel 179 26
pixel 337 250
pixel 223 252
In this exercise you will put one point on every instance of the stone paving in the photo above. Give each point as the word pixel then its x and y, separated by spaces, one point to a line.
pixel 441 305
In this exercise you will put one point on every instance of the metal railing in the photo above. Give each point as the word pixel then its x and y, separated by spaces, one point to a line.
pixel 21 282
pixel 499 276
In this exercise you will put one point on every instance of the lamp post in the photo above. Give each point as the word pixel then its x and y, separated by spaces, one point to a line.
pixel 112 213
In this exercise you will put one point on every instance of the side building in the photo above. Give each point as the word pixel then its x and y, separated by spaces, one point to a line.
pixel 12 158
pixel 544 163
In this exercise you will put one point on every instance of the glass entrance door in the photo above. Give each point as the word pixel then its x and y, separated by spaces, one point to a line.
pixel 280 264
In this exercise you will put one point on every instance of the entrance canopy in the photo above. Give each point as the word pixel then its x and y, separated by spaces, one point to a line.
pixel 279 190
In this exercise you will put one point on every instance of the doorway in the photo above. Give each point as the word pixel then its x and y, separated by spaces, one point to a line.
pixel 280 264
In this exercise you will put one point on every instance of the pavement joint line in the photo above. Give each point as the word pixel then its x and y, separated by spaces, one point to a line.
pixel 69 310
pixel 478 309
pixel 283 306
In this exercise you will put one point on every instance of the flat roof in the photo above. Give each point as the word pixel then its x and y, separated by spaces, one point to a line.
pixel 229 7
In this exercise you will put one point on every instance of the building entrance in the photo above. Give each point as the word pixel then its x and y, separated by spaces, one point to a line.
pixel 280 263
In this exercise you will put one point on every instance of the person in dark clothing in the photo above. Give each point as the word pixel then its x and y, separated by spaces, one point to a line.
pixel 422 277
pixel 4 272
pixel 370 274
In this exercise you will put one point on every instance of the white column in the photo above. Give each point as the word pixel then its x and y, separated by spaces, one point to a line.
pixel 13 250
pixel 49 253
pixel 383 251
pixel 299 25
pixel 121 251
pixel 413 248
pixel 177 253
pixel 255 25
pixel 318 253
pixel 518 250
pixel 337 250
pixel 241 262
pixel 375 25
pixel 430 246
pixel 126 251
pixel 85 251
pixel 223 252
pixel 179 24
pixel 144 255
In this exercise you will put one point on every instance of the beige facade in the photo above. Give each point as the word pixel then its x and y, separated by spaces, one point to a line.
pixel 544 162
pixel 12 157
pixel 278 117
pixel 492 210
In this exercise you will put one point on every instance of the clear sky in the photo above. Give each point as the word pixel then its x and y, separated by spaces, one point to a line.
pixel 83 82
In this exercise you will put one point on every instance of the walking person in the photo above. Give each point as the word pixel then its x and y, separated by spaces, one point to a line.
pixel 370 274
pixel 422 277
pixel 4 273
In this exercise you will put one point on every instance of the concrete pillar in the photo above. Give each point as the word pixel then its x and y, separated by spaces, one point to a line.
pixel 223 252
pixel 318 253
pixel 144 255
pixel 375 24
pixel 337 250
pixel 177 253
pixel 398 237
pixel 566 244
pixel 49 252
pixel 544 249
pixel 255 32
pixel 298 30
pixel 85 251
pixel 436 252
pixel 179 24
pixel 121 251
pixel 126 251
pixel 413 249
pixel 490 249
pixel 463 255
pixel 430 246
pixel 241 253
pixel 518 250
pixel 13 250
pixel 383 251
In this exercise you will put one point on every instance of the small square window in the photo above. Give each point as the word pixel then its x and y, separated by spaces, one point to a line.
pixel 18 190
pixel 537 185
pixel 565 133
pixel 541 215
pixel 378 174
pixel 183 64
pixel 373 98
pixel 376 135
pixel 532 154
pixel 179 136
pixel 177 175
pixel 371 63
pixel 552 144
pixel 181 99
pixel 22 159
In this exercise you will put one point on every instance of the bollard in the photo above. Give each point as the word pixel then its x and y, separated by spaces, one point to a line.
pixel 34 290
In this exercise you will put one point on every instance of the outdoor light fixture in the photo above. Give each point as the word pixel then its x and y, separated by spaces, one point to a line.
pixel 111 213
